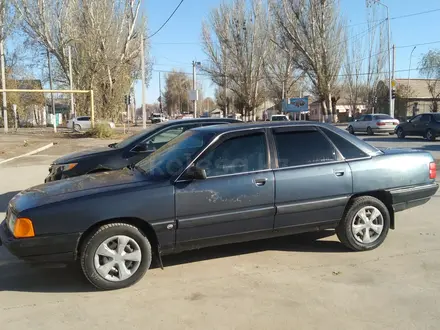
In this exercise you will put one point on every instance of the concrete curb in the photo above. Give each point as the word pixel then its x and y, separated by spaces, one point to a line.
pixel 30 153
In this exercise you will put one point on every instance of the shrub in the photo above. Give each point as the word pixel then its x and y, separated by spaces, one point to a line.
pixel 101 131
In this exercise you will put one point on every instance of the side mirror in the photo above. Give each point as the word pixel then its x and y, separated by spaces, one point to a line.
pixel 195 173
pixel 144 147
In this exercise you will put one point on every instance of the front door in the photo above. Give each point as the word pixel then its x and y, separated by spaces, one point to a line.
pixel 313 182
pixel 237 197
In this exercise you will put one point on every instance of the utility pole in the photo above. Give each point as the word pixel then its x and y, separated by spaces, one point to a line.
pixel 3 69
pixel 72 104
pixel 195 96
pixel 144 111
pixel 160 97
pixel 51 94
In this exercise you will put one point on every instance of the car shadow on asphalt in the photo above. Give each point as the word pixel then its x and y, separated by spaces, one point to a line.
pixel 4 200
pixel 22 277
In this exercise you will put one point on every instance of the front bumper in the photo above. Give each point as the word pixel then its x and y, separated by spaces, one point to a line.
pixel 406 198
pixel 53 248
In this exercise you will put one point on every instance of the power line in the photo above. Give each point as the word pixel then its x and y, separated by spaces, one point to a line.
pixel 172 14
pixel 422 44
pixel 384 72
pixel 416 14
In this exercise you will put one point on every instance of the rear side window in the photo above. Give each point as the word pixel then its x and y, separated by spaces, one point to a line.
pixel 303 148
pixel 347 149
pixel 425 118
pixel 368 118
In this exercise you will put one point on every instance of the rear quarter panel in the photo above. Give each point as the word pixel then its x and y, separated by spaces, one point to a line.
pixel 393 170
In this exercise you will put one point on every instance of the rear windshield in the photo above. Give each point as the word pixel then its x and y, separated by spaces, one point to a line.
pixel 377 117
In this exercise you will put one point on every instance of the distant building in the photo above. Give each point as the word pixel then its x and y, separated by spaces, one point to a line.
pixel 344 110
pixel 414 96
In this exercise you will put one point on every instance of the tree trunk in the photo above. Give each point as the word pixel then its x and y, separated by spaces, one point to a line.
pixel 324 109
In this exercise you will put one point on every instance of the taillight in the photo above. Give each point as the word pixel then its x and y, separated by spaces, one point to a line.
pixel 380 123
pixel 396 123
pixel 432 170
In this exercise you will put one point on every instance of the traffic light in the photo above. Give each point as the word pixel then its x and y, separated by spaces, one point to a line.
pixel 125 99
pixel 129 99
pixel 393 94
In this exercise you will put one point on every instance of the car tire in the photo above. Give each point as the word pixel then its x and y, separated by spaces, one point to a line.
pixel 400 133
pixel 429 135
pixel 77 128
pixel 370 131
pixel 360 235
pixel 391 133
pixel 351 129
pixel 107 239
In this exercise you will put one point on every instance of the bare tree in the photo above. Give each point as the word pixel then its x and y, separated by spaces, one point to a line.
pixel 430 69
pixel 235 41
pixel 105 40
pixel 314 30
pixel 177 88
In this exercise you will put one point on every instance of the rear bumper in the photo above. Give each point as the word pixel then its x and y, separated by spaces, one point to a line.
pixel 384 129
pixel 56 248
pixel 405 198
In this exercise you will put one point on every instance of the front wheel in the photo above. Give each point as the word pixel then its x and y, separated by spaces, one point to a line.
pixel 365 224
pixel 77 128
pixel 115 256
pixel 400 133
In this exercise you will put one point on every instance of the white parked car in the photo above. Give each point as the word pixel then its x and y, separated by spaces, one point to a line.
pixel 279 118
pixel 84 123
pixel 158 118
pixel 373 123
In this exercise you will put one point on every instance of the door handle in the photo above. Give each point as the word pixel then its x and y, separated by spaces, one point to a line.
pixel 260 182
pixel 339 172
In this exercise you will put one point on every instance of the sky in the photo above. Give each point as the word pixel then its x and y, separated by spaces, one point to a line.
pixel 179 42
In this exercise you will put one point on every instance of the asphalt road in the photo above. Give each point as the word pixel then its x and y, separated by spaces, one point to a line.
pixel 303 282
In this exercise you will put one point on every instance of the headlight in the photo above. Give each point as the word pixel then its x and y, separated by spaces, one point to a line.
pixel 63 167
pixel 10 221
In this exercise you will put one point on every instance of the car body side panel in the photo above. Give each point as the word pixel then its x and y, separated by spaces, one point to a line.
pixel 392 170
pixel 151 203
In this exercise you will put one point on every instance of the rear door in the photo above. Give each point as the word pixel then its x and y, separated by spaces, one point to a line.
pixel 313 182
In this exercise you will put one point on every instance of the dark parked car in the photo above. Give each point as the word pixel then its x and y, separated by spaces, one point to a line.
pixel 127 152
pixel 426 125
pixel 217 185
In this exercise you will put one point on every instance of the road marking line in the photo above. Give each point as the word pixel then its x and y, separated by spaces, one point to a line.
pixel 30 153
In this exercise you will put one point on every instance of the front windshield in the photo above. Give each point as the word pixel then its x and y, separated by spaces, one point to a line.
pixel 175 155
pixel 136 136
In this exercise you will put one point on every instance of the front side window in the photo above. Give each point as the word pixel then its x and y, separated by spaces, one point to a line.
pixel 416 119
pixel 236 155
pixel 425 118
pixel 162 138
pixel 297 148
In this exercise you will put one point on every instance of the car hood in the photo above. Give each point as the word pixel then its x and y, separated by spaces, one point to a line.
pixel 76 187
pixel 77 156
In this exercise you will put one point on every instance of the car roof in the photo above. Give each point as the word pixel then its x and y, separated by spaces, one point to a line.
pixel 263 124
pixel 196 120
pixel 220 129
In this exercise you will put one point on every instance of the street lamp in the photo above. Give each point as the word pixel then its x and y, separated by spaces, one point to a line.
pixel 390 95
pixel 195 96
pixel 409 73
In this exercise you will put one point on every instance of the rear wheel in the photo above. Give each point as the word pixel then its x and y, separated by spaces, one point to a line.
pixel 115 256
pixel 370 131
pixel 365 224
pixel 400 133
pixel 429 135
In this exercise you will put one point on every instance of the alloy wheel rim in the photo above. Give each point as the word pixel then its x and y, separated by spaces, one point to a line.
pixel 367 225
pixel 429 135
pixel 117 258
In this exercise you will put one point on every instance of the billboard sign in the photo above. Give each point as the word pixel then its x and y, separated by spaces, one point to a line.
pixel 297 104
